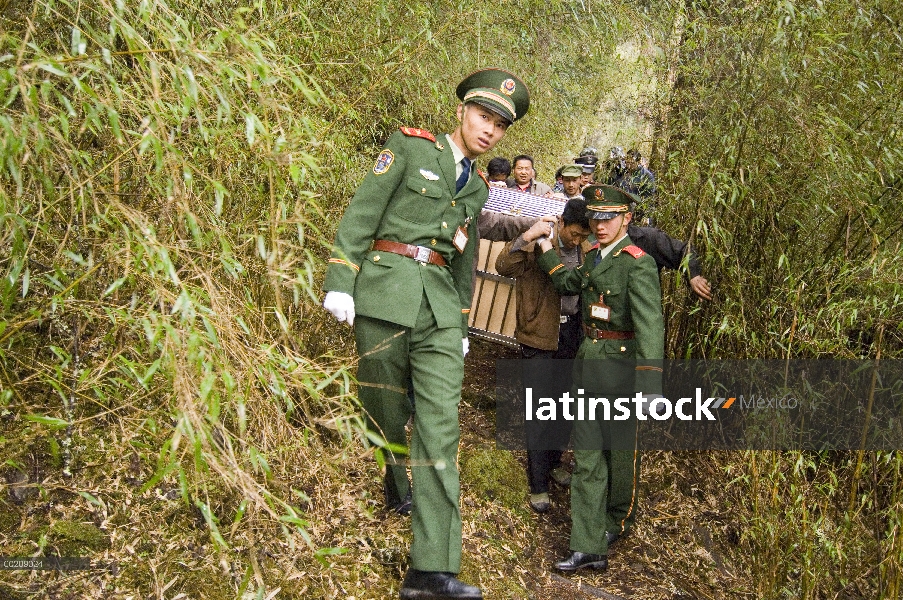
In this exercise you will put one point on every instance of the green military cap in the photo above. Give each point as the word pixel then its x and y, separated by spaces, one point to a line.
pixel 605 202
pixel 498 90
pixel 571 171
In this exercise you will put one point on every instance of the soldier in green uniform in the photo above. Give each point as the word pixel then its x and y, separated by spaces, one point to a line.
pixel 402 263
pixel 621 355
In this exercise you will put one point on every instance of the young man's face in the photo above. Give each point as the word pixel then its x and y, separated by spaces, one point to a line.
pixel 586 179
pixel 608 231
pixel 572 185
pixel 523 172
pixel 479 130
pixel 572 235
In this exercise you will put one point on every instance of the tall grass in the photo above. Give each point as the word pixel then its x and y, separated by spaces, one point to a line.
pixel 780 149
pixel 156 225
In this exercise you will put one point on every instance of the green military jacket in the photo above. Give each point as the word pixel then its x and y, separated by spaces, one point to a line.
pixel 409 197
pixel 628 282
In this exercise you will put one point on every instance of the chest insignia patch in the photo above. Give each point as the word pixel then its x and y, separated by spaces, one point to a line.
pixel 383 162
pixel 429 175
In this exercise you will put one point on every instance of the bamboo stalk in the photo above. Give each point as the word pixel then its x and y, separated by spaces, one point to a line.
pixel 865 426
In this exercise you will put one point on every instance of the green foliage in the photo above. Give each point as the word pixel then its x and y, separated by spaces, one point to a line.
pixel 780 145
pixel 171 174
pixel 155 212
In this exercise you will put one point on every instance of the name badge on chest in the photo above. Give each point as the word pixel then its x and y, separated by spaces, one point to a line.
pixel 600 310
pixel 460 239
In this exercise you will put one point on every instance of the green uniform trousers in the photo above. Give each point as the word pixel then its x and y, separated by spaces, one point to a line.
pixel 607 470
pixel 604 483
pixel 390 356
pixel 623 487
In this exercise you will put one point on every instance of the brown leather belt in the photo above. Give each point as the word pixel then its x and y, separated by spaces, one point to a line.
pixel 601 334
pixel 418 253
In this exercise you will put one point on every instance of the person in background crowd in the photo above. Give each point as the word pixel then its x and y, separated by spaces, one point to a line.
pixel 525 177
pixel 572 180
pixel 614 168
pixel 587 161
pixel 639 181
pixel 498 171
pixel 559 186
pixel 587 175
pixel 588 151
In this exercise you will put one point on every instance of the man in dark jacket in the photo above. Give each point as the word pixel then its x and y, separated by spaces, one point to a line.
pixel 669 253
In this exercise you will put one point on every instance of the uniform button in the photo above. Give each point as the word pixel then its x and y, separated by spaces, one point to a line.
pixel 432 242
pixel 376 258
pixel 607 291
pixel 422 190
pixel 453 202
pixel 595 341
pixel 444 225
pixel 623 349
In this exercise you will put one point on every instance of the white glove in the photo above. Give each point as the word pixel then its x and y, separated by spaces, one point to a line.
pixel 466 342
pixel 341 305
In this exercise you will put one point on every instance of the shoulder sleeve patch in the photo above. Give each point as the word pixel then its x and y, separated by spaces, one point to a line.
pixel 483 177
pixel 383 162
pixel 634 251
pixel 421 133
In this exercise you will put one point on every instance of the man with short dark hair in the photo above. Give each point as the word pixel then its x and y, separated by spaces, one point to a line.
pixel 525 177
pixel 498 171
pixel 548 327
pixel 402 263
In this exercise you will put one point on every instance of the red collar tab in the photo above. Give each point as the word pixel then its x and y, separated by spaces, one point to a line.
pixel 634 251
pixel 483 177
pixel 421 133
pixel 594 246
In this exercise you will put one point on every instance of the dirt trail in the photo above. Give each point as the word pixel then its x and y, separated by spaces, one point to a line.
pixel 673 553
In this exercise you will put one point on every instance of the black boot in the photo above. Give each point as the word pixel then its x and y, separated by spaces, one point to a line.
pixel 579 560
pixel 435 584
pixel 394 502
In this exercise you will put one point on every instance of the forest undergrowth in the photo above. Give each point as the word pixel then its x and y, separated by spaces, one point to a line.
pixel 175 405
